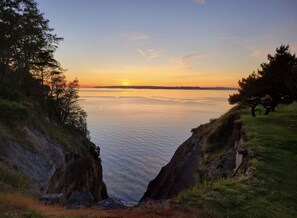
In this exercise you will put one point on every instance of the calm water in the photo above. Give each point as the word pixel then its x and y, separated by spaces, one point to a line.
pixel 138 131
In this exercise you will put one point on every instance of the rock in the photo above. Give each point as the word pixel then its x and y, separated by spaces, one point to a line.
pixel 37 163
pixel 79 173
pixel 179 173
pixel 80 199
pixel 110 203
pixel 56 198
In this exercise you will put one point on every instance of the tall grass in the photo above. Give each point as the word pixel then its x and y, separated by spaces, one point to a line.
pixel 14 179
pixel 54 131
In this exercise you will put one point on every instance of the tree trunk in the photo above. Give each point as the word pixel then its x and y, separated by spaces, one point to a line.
pixel 253 111
pixel 268 109
pixel 273 108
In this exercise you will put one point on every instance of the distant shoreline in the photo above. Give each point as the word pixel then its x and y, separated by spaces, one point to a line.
pixel 166 87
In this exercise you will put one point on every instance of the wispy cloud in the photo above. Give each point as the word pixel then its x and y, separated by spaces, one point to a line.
pixel 150 53
pixel 184 61
pixel 134 36
pixel 257 47
pixel 200 2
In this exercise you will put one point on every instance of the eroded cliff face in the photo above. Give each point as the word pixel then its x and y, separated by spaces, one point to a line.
pixel 36 159
pixel 79 173
pixel 35 151
pixel 214 150
pixel 179 173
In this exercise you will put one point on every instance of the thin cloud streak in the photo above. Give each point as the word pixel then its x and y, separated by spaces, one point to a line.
pixel 257 47
pixel 135 36
pixel 183 61
pixel 150 53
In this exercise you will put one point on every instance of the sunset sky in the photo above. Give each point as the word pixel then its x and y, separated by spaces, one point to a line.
pixel 168 42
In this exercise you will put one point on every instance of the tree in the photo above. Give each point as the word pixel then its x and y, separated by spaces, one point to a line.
pixel 65 100
pixel 26 41
pixel 275 83
pixel 27 62
pixel 249 93
pixel 278 78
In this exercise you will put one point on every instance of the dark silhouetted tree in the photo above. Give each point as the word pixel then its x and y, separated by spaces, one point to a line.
pixel 249 93
pixel 27 44
pixel 65 100
pixel 275 83
pixel 277 79
pixel 27 63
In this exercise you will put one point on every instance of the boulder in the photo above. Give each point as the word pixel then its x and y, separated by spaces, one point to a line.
pixel 80 199
pixel 56 198
pixel 110 203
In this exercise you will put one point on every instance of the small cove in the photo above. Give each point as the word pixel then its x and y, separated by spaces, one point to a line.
pixel 138 131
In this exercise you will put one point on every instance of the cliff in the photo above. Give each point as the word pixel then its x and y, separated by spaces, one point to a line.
pixel 79 173
pixel 33 147
pixel 235 166
pixel 213 151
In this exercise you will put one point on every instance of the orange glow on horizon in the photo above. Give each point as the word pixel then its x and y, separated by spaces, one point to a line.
pixel 124 83
pixel 156 76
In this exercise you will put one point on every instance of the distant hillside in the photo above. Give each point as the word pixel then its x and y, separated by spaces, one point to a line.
pixel 166 87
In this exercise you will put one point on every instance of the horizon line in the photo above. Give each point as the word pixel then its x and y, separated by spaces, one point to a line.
pixel 167 87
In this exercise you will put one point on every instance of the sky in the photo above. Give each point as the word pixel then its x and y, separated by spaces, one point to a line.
pixel 168 42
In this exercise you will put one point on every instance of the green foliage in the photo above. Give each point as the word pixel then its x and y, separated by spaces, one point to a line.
pixel 28 68
pixel 11 177
pixel 221 130
pixel 26 41
pixel 65 99
pixel 54 131
pixel 275 83
pixel 11 111
pixel 271 190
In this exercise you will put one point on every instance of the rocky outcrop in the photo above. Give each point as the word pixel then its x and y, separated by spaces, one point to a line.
pixel 211 152
pixel 79 173
pixel 32 155
pixel 36 161
pixel 179 173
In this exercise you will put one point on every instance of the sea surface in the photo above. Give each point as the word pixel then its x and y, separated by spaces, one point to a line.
pixel 139 130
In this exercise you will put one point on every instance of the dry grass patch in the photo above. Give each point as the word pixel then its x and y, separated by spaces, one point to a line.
pixel 19 205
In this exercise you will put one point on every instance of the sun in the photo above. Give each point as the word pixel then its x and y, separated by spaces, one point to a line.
pixel 125 83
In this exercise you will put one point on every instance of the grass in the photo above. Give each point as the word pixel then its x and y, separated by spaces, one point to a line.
pixel 271 191
pixel 54 131
pixel 11 111
pixel 19 205
pixel 14 115
pixel 8 176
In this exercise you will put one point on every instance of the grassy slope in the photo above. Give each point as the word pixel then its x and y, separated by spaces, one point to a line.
pixel 15 116
pixel 271 191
